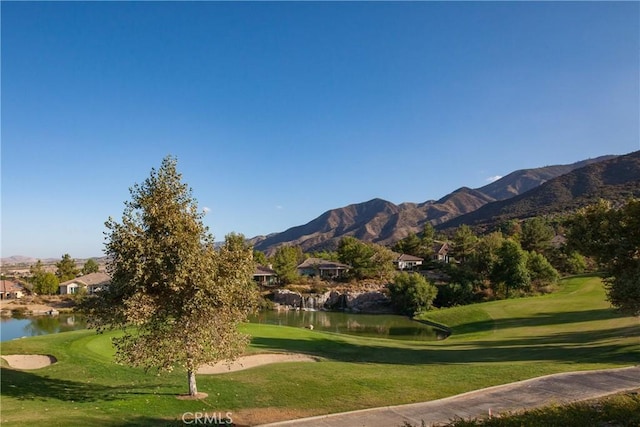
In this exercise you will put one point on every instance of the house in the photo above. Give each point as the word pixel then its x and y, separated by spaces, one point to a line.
pixel 312 267
pixel 407 262
pixel 10 290
pixel 93 282
pixel 265 276
pixel 441 252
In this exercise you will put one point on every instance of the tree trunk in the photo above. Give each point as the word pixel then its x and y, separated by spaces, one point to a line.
pixel 193 390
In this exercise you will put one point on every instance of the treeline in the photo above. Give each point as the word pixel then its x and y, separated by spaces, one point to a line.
pixel 514 261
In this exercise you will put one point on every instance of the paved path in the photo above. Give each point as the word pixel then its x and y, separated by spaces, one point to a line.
pixel 536 392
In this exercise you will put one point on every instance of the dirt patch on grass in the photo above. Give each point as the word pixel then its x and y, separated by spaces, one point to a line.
pixel 198 396
pixel 257 416
pixel 29 361
pixel 36 305
pixel 251 361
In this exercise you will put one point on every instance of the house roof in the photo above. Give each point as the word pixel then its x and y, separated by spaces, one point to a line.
pixel 8 286
pixel 89 279
pixel 323 264
pixel 441 248
pixel 407 257
pixel 264 271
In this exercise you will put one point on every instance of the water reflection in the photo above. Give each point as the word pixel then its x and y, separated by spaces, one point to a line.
pixel 382 325
pixel 372 325
pixel 18 327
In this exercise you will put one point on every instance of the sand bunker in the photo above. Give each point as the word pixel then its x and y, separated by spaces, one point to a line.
pixel 29 361
pixel 246 362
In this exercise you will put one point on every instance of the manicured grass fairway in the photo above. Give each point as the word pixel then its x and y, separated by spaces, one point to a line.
pixel 492 343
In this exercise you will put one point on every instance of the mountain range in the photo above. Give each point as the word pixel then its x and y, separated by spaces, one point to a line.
pixel 520 194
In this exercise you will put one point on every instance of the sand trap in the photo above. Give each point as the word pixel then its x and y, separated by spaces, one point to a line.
pixel 246 362
pixel 29 361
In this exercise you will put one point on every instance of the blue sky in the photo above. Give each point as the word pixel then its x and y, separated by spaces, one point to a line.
pixel 278 112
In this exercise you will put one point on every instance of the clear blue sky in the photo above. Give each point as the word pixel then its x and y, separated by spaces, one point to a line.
pixel 278 112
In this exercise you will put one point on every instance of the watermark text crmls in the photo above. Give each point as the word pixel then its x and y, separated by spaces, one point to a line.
pixel 207 418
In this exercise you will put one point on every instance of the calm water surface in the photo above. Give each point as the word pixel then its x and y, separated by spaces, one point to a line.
pixel 18 327
pixel 370 325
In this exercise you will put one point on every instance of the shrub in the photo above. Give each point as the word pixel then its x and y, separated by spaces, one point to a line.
pixel 412 293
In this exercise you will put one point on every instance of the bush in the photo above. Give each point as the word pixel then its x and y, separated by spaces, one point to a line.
pixel 453 294
pixel 411 293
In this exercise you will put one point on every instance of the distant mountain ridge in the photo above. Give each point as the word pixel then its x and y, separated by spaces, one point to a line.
pixel 520 194
pixel 383 222
pixel 615 179
pixel 15 260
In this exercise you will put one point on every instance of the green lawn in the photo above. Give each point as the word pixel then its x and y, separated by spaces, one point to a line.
pixel 492 343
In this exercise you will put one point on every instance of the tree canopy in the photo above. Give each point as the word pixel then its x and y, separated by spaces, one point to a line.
pixel 412 293
pixel 66 268
pixel 285 262
pixel 46 284
pixel 177 299
pixel 91 266
pixel 367 260
pixel 612 236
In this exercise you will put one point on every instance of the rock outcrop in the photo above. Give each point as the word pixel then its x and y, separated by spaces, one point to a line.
pixel 356 301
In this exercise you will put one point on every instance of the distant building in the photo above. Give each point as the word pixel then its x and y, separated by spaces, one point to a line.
pixel 407 262
pixel 11 290
pixel 318 267
pixel 93 282
pixel 265 276
pixel 441 251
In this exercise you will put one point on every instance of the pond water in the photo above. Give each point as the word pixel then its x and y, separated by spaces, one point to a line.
pixel 371 325
pixel 18 327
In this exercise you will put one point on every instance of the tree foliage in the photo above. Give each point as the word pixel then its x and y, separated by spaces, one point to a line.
pixel 46 284
pixel 178 300
pixel 483 259
pixel 66 268
pixel 464 243
pixel 612 236
pixel 91 266
pixel 285 262
pixel 420 246
pixel 367 260
pixel 536 235
pixel 411 293
pixel 541 272
pixel 510 269
pixel 260 258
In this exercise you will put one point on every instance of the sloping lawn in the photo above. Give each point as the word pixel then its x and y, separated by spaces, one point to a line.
pixel 492 343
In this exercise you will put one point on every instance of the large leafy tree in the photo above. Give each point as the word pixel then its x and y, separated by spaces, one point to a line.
pixel 464 243
pixel 411 293
pixel 612 236
pixel 178 300
pixel 66 268
pixel 536 235
pixel 510 269
pixel 46 284
pixel 541 271
pixel 367 260
pixel 285 262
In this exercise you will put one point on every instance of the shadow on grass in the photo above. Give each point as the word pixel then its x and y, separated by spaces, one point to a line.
pixel 24 385
pixel 583 347
pixel 539 319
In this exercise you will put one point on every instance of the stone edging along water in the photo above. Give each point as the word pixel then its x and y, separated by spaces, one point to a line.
pixel 437 325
